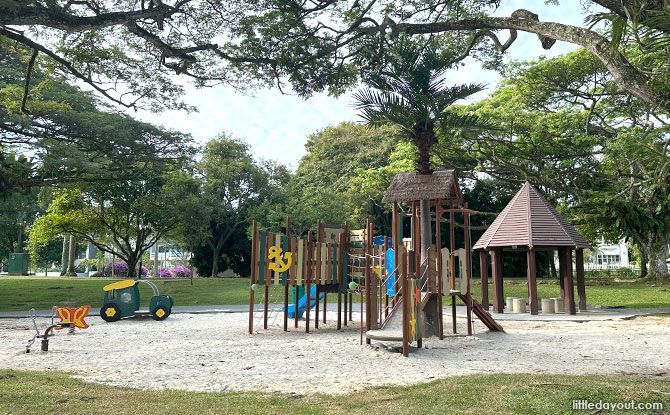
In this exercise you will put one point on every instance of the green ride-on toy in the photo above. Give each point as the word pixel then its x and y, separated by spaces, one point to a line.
pixel 122 299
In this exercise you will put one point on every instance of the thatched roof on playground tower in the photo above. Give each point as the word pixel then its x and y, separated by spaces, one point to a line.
pixel 407 187
pixel 529 220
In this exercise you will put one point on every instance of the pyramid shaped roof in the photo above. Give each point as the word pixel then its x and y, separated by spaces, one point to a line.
pixel 529 220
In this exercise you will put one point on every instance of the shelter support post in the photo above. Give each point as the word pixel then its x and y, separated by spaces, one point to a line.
pixel 496 273
pixel 568 286
pixel 532 281
pixel 581 287
pixel 484 278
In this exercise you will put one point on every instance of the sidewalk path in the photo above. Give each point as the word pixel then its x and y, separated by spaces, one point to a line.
pixel 594 314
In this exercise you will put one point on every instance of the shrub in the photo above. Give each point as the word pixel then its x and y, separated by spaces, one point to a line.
pixel 121 269
pixel 180 271
pixel 623 273
pixel 164 273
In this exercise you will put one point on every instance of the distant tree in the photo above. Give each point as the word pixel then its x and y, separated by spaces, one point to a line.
pixel 323 188
pixel 123 218
pixel 595 152
pixel 47 255
pixel 233 188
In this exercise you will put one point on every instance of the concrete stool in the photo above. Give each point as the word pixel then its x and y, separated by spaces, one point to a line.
pixel 548 306
pixel 558 305
pixel 509 303
pixel 519 305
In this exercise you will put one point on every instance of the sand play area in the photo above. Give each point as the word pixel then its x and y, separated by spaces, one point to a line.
pixel 212 352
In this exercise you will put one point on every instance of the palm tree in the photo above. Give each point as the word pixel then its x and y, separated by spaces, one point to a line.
pixel 411 92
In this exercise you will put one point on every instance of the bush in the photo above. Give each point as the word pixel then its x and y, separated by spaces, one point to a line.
pixel 180 271
pixel 164 273
pixel 121 269
pixel 623 273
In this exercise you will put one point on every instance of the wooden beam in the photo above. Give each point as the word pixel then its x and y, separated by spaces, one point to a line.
pixel 253 279
pixel 439 276
pixel 532 281
pixel 581 286
pixel 568 284
pixel 483 274
pixel 496 271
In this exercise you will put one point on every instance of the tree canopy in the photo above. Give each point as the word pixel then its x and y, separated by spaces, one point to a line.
pixel 127 51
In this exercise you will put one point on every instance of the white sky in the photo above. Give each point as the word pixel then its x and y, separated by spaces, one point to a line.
pixel 276 126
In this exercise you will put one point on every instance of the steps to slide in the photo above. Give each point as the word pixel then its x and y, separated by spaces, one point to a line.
pixel 302 303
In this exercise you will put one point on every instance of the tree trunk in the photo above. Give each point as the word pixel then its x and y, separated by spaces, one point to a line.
pixel 72 256
pixel 132 266
pixel 65 256
pixel 216 258
pixel 658 256
pixel 644 259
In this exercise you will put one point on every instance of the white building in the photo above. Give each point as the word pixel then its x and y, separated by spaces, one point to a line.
pixel 607 256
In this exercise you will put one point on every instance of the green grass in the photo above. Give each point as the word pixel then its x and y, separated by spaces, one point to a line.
pixel 51 392
pixel 23 293
pixel 632 294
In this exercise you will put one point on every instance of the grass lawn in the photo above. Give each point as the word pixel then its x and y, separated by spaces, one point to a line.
pixel 23 293
pixel 633 294
pixel 49 392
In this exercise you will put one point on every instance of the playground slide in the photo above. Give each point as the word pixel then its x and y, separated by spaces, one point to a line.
pixel 302 303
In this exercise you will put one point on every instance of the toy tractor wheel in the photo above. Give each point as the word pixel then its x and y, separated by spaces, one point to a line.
pixel 110 313
pixel 160 313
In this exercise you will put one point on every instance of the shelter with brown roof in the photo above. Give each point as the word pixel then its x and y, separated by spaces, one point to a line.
pixel 529 223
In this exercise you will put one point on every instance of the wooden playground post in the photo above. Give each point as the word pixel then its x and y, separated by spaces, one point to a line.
pixel 269 240
pixel 308 286
pixel 394 245
pixel 316 308
pixel 384 279
pixel 254 242
pixel 439 276
pixel 340 280
pixel 452 267
pixel 286 287
pixel 366 254
pixel 405 305
pixel 468 265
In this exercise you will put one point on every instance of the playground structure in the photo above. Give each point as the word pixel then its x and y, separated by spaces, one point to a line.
pixel 401 295
pixel 122 299
pixel 70 318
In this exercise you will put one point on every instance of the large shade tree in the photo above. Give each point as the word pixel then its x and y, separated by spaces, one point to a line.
pixel 62 134
pixel 128 50
pixel 411 92
pixel 599 153
pixel 123 218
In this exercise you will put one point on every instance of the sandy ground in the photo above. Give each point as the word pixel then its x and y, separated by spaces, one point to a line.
pixel 213 352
